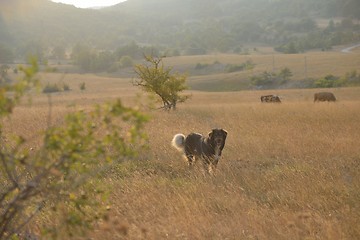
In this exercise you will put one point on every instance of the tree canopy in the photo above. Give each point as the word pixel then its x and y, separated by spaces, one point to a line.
pixel 157 79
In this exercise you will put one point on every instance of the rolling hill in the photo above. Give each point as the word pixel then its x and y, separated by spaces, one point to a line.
pixel 192 27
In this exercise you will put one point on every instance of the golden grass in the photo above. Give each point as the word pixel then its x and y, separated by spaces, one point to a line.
pixel 310 65
pixel 288 171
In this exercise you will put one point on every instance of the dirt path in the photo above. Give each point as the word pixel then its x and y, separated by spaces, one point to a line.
pixel 348 49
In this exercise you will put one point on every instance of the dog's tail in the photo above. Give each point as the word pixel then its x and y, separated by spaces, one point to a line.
pixel 178 141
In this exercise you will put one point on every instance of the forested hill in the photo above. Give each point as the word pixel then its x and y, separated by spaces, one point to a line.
pixel 185 26
pixel 251 9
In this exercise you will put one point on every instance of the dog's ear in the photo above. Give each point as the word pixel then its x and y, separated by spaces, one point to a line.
pixel 210 134
pixel 224 132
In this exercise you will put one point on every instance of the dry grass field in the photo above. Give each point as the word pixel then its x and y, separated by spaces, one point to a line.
pixel 288 171
pixel 311 65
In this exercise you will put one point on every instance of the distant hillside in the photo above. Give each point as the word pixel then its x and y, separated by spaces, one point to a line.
pixel 184 26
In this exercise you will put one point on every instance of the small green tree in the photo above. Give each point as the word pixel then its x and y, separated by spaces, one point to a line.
pixel 264 79
pixel 62 175
pixel 329 81
pixel 155 78
pixel 248 65
pixel 272 79
pixel 284 75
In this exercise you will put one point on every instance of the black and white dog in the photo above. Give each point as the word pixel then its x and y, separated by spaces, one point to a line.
pixel 197 146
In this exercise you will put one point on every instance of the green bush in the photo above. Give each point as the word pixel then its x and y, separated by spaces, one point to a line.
pixel 199 66
pixel 66 87
pixel 234 68
pixel 61 179
pixel 56 87
pixel 82 86
pixel 267 79
pixel 328 81
pixel 239 67
pixel 51 88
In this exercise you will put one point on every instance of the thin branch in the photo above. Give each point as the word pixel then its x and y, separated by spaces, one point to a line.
pixel 14 207
pixel 6 192
pixel 7 170
pixel 36 211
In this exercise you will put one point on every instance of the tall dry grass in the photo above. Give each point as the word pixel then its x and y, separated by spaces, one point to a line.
pixel 288 171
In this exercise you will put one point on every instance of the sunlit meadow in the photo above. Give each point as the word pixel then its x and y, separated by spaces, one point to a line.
pixel 288 171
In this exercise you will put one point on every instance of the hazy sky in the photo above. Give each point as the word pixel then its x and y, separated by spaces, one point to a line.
pixel 90 3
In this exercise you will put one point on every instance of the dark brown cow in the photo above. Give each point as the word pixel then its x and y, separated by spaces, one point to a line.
pixel 324 96
pixel 270 98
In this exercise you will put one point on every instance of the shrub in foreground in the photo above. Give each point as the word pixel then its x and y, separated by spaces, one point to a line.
pixel 62 175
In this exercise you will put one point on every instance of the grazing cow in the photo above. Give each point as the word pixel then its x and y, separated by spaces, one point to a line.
pixel 324 96
pixel 270 98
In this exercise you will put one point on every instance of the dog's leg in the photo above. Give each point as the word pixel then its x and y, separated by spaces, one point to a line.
pixel 216 160
pixel 207 165
pixel 190 160
pixel 211 169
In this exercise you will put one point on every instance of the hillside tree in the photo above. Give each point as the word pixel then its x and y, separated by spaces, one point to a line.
pixel 157 79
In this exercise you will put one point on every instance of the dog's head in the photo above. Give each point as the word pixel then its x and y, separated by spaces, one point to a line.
pixel 217 137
